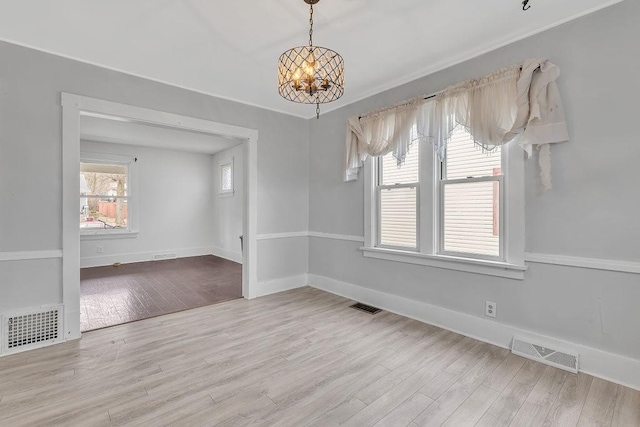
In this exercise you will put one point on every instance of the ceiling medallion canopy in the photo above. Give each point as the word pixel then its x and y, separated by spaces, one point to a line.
pixel 311 74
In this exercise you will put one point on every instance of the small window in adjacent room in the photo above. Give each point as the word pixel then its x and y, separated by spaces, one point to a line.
pixel 105 194
pixel 226 177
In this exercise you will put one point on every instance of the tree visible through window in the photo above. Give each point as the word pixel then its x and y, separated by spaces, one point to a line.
pixel 103 195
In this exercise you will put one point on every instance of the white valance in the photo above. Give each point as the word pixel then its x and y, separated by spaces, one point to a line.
pixel 520 103
pixel 378 134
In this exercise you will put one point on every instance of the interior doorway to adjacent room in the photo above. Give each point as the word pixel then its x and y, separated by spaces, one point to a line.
pixel 160 213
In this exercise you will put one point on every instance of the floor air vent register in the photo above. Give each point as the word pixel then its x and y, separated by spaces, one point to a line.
pixel 32 329
pixel 546 355
pixel 366 308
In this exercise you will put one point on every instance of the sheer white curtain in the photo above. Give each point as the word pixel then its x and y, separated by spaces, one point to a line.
pixel 381 133
pixel 520 103
pixel 485 107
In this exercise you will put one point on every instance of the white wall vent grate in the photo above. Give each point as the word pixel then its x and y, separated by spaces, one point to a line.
pixel 32 329
pixel 546 355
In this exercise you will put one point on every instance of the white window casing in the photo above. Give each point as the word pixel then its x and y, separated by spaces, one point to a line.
pixel 470 200
pixel 131 196
pixel 477 221
pixel 398 193
pixel 509 263
pixel 226 177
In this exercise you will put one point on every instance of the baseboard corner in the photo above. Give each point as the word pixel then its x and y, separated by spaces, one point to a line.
pixel 274 286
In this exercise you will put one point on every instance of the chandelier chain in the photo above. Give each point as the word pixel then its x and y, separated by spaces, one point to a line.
pixel 311 26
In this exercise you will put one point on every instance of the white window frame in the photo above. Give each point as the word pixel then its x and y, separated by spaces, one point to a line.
pixel 441 170
pixel 512 217
pixel 379 188
pixel 225 192
pixel 132 197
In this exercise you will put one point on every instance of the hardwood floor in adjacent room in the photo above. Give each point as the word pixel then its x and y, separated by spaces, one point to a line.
pixel 115 295
pixel 297 358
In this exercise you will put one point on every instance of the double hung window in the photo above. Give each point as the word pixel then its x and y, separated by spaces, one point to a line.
pixel 462 212
pixel 106 194
pixel 470 223
pixel 398 196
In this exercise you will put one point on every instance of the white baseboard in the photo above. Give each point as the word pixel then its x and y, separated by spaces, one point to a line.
pixel 608 366
pixel 268 287
pixel 105 260
pixel 227 254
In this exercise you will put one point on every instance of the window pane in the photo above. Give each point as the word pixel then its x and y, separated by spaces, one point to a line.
pixel 405 174
pixel 465 159
pixel 103 179
pixel 225 172
pixel 398 217
pixel 103 213
pixel 471 222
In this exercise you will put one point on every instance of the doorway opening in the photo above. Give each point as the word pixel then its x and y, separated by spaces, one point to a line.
pixel 163 212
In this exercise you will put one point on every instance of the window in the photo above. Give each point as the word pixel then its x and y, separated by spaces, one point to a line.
pixel 397 192
pixel 469 199
pixel 463 213
pixel 226 177
pixel 106 194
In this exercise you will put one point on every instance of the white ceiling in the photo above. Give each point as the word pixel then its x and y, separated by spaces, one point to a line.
pixel 117 131
pixel 230 49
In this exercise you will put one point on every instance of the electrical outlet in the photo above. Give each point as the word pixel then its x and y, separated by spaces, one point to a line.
pixel 100 249
pixel 490 309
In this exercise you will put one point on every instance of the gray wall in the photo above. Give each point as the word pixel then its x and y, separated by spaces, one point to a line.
pixel 30 161
pixel 174 201
pixel 591 212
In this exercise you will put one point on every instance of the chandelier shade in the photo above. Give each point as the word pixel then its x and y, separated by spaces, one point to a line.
pixel 311 74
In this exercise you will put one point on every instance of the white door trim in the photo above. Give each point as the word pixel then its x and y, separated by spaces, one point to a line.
pixel 75 106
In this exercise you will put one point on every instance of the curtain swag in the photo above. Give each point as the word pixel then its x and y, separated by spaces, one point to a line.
pixel 519 103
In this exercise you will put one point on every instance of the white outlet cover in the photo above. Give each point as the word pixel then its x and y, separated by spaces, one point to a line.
pixel 490 309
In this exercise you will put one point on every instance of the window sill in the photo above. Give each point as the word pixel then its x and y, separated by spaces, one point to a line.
pixel 489 268
pixel 226 193
pixel 103 235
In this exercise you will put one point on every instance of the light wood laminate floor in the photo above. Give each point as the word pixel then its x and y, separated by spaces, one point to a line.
pixel 297 358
